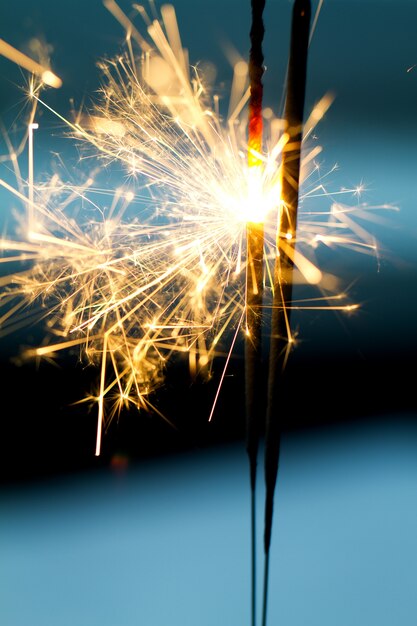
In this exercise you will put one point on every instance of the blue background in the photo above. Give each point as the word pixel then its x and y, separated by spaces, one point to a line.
pixel 166 541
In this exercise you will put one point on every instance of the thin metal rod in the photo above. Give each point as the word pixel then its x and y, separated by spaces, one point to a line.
pixel 253 557
pixel 265 590
pixel 283 271
pixel 254 381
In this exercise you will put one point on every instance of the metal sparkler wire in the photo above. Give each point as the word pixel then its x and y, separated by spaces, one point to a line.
pixel 254 379
pixel 281 339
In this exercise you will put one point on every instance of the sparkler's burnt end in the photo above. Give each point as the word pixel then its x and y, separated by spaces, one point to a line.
pixel 256 70
pixel 294 112
pixel 280 324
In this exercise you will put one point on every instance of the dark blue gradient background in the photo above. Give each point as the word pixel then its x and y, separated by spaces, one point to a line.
pixel 167 540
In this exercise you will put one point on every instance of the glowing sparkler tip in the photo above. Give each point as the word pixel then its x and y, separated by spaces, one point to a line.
pixel 51 79
pixel 313 275
pixel 48 77
pixel 241 68
pixel 351 307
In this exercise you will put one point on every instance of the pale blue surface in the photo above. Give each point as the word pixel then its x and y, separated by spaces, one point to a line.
pixel 167 543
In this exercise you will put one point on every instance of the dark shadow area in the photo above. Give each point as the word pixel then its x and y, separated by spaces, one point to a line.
pixel 44 433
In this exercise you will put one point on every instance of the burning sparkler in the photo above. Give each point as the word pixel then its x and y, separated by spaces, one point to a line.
pixel 182 261
pixel 162 270
pixel 171 280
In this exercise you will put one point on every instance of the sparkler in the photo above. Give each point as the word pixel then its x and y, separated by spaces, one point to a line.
pixel 159 272
pixel 280 326
pixel 254 278
pixel 162 270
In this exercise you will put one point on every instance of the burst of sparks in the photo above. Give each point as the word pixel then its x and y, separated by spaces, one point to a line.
pixel 161 270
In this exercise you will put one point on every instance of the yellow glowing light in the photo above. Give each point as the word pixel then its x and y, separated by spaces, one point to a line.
pixel 102 125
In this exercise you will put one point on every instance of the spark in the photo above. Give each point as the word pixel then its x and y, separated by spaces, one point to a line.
pixel 161 271
pixel 45 74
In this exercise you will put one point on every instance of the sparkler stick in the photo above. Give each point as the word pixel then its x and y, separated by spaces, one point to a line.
pixel 254 279
pixel 281 339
